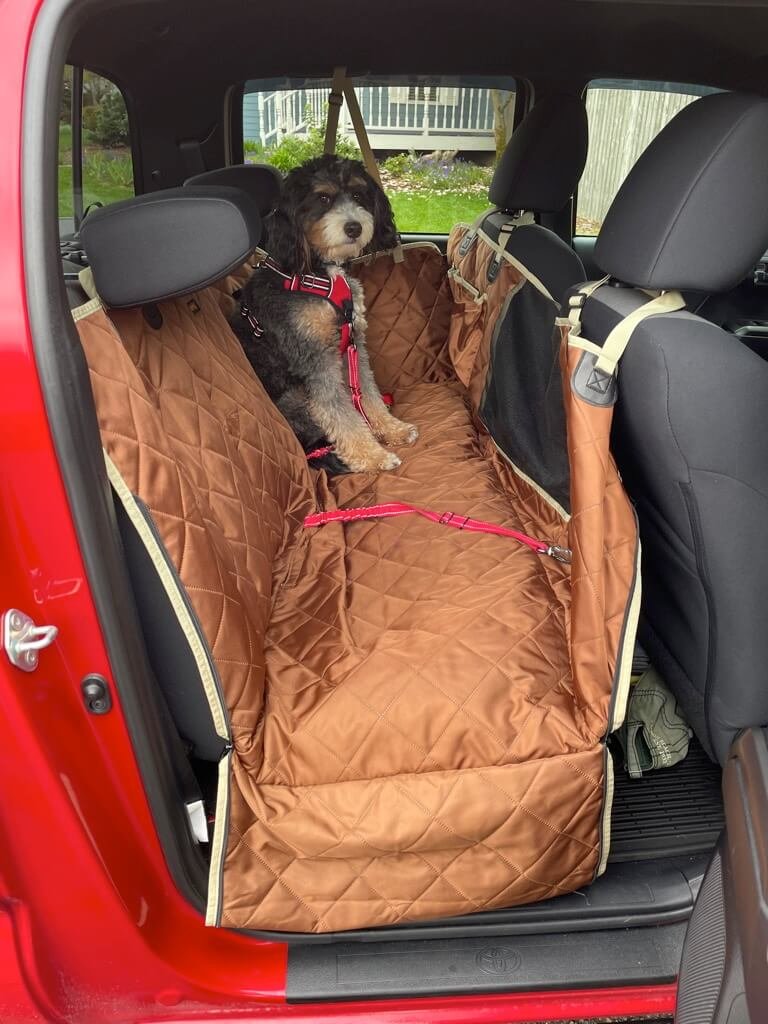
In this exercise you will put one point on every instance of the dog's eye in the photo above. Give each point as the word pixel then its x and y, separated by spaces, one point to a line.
pixel 324 198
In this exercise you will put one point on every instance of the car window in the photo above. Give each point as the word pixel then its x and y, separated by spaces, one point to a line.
pixel 94 136
pixel 624 116
pixel 436 140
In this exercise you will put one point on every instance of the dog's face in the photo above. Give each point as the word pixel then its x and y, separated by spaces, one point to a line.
pixel 332 210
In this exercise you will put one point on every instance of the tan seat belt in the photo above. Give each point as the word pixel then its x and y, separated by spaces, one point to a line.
pixel 342 89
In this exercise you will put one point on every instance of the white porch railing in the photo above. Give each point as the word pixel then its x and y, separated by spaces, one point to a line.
pixel 396 117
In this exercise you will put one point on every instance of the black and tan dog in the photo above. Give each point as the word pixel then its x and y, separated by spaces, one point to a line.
pixel 302 321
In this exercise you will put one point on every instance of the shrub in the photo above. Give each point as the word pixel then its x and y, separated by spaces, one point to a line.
pixel 295 150
pixel 90 114
pixel 110 127
pixel 253 148
pixel 398 165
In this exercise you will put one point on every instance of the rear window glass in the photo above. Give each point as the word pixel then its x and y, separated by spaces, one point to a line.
pixel 436 140
pixel 94 134
pixel 624 117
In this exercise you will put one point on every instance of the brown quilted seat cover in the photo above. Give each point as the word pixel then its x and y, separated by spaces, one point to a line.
pixel 418 714
pixel 409 309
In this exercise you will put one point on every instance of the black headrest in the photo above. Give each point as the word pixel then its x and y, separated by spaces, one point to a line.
pixel 541 166
pixel 165 244
pixel 260 181
pixel 693 211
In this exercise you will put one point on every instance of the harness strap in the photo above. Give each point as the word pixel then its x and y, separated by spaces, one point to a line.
pixel 353 375
pixel 397 508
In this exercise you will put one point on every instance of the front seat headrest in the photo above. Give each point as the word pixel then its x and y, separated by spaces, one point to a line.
pixel 260 181
pixel 692 213
pixel 165 244
pixel 544 159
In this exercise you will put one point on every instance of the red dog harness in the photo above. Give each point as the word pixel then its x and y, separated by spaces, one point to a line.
pixel 337 291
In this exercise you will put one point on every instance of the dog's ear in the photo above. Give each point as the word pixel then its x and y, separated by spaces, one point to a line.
pixel 384 230
pixel 287 243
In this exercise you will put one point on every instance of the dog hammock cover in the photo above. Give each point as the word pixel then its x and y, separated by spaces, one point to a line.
pixel 416 717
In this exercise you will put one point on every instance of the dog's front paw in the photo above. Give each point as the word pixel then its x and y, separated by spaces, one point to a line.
pixel 398 433
pixel 389 461
pixel 369 457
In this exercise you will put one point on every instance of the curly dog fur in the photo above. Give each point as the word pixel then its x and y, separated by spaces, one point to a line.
pixel 330 212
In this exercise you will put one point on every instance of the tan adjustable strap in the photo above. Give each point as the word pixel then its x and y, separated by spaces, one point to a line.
pixel 362 135
pixel 617 340
pixel 610 352
pixel 576 302
pixel 335 100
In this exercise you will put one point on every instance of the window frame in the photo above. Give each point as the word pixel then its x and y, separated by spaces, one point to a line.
pixel 78 150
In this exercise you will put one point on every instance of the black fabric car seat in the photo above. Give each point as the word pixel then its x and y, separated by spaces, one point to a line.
pixel 515 377
pixel 538 174
pixel 689 427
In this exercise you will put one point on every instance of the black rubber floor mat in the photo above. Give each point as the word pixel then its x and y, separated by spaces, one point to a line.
pixel 671 811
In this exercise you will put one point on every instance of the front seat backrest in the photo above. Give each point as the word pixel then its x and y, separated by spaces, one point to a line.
pixel 690 421
pixel 519 271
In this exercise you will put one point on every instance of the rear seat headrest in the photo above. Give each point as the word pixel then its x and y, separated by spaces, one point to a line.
pixel 544 159
pixel 692 213
pixel 169 243
pixel 260 181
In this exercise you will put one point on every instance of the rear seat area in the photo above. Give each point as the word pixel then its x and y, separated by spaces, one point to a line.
pixel 409 721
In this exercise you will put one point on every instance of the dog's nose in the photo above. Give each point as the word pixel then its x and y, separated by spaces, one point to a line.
pixel 353 229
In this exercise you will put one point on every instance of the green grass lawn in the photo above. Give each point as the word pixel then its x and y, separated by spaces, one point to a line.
pixel 94 189
pixel 435 213
pixel 414 211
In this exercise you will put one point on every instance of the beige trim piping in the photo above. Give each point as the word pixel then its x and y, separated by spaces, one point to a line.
pixel 171 588
pixel 220 827
pixel 371 256
pixel 620 702
pixel 627 650
pixel 552 502
pixel 605 824
pixel 85 277
pixel 91 306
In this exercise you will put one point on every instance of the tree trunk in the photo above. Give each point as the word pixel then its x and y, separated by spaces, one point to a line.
pixel 501 100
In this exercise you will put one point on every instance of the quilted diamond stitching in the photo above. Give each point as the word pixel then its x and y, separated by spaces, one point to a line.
pixel 307 629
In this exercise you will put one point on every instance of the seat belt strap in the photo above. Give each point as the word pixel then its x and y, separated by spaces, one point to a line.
pixel 397 508
pixel 335 101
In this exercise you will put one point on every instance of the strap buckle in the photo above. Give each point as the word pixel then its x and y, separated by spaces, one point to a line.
pixel 559 554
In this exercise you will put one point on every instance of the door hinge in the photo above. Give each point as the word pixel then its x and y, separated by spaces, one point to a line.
pixel 23 640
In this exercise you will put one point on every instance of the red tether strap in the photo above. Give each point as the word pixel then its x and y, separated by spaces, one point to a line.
pixel 397 508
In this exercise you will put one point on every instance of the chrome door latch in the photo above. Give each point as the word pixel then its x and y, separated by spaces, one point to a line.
pixel 23 640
